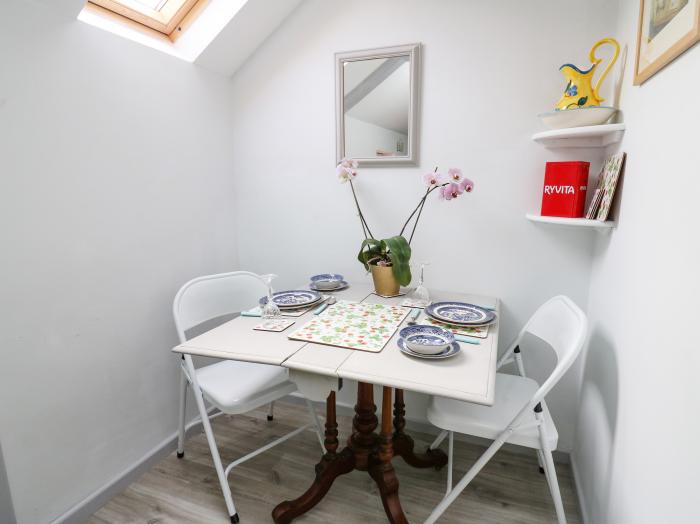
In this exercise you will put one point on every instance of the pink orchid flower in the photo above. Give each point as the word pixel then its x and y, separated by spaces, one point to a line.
pixel 451 191
pixel 349 163
pixel 455 175
pixel 432 179
pixel 466 185
pixel 345 173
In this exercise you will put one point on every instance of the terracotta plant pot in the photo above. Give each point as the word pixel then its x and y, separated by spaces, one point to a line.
pixel 384 280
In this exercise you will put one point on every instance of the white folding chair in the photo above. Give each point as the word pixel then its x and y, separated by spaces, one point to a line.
pixel 519 414
pixel 230 386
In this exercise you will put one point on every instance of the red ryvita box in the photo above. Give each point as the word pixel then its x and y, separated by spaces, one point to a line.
pixel 564 193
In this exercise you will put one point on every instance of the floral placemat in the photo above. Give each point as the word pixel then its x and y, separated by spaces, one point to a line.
pixel 353 325
pixel 477 331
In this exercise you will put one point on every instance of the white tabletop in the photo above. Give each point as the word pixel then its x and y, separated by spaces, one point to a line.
pixel 237 340
pixel 469 376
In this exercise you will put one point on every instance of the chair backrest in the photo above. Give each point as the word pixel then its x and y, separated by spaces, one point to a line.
pixel 212 296
pixel 561 324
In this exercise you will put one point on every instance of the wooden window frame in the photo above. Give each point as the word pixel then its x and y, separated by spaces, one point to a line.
pixel 173 18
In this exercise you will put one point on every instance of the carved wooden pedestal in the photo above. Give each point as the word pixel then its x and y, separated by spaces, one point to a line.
pixel 366 451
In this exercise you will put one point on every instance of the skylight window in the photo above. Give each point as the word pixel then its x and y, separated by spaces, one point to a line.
pixel 153 4
pixel 167 17
pixel 180 28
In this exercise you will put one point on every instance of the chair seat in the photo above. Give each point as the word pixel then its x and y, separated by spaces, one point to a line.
pixel 237 387
pixel 512 392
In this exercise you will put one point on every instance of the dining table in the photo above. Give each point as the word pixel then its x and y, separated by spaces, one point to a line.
pixel 319 371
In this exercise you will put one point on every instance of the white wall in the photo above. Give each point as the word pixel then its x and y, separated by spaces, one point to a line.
pixel 489 68
pixel 363 139
pixel 116 188
pixel 103 143
pixel 636 453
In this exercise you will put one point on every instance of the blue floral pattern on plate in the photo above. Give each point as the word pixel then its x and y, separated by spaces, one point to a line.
pixel 427 340
pixel 459 313
pixel 451 351
pixel 294 298
pixel 327 276
pixel 428 331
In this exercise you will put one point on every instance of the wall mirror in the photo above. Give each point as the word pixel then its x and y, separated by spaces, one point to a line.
pixel 377 105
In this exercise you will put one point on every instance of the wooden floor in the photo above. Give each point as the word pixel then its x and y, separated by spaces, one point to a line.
pixel 510 489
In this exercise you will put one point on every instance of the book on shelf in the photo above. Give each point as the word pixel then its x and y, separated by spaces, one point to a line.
pixel 595 203
pixel 602 201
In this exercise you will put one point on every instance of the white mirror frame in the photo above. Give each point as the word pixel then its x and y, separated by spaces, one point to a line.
pixel 413 52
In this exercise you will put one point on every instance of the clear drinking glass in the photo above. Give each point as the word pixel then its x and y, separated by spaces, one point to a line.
pixel 270 311
pixel 420 295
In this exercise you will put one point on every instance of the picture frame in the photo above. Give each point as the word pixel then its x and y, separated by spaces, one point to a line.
pixel 667 28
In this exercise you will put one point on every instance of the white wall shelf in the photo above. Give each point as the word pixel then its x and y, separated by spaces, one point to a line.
pixel 572 222
pixel 588 136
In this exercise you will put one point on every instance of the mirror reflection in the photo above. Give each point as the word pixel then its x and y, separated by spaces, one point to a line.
pixel 377 97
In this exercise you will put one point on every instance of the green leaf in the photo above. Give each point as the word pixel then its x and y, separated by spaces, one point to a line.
pixel 369 249
pixel 400 255
pixel 582 100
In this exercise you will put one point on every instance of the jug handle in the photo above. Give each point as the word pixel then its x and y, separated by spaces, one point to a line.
pixel 597 61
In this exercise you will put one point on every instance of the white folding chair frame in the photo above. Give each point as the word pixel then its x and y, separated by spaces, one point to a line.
pixel 544 454
pixel 188 377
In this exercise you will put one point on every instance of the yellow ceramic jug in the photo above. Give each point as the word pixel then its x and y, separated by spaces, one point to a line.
pixel 579 90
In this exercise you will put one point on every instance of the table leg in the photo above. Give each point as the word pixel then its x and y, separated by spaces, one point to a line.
pixel 403 444
pixel 363 440
pixel 381 469
pixel 332 465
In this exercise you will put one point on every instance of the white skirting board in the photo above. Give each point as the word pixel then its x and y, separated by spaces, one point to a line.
pixel 81 511
pixel 579 493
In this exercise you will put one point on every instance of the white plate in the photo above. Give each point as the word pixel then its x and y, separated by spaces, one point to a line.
pixel 460 313
pixel 293 299
pixel 304 307
pixel 343 285
pixel 579 117
pixel 449 352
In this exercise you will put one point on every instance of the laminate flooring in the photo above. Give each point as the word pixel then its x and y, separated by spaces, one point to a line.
pixel 509 489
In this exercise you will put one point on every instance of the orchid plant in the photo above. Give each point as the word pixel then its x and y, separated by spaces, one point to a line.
pixel 396 251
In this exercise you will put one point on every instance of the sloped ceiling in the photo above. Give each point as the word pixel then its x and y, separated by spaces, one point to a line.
pixel 251 26
pixel 387 105
pixel 68 8
pixel 234 44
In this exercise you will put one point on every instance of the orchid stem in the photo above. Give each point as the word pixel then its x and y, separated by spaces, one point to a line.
pixel 419 208
pixel 420 203
pixel 362 217
pixel 415 210
pixel 415 224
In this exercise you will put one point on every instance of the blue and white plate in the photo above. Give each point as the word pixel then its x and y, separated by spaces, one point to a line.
pixel 428 331
pixel 426 340
pixel 293 299
pixel 326 276
pixel 460 313
pixel 326 281
pixel 342 285
pixel 451 351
